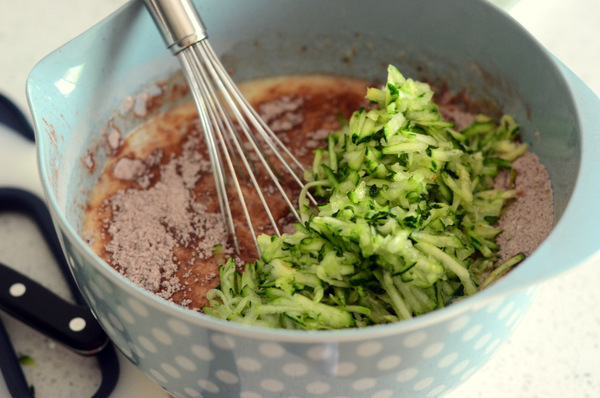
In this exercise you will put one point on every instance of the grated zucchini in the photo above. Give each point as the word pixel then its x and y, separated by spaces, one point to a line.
pixel 405 227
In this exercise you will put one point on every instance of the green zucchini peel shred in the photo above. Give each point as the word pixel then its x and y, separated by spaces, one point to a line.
pixel 405 226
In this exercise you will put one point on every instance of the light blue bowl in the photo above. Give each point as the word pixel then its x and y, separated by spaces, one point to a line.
pixel 470 44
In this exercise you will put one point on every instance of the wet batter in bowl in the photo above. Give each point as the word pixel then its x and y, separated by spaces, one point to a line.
pixel 154 217
pixel 153 214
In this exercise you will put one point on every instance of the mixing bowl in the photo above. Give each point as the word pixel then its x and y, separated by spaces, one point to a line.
pixel 465 44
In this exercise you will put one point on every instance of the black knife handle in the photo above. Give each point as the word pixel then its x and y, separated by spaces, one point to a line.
pixel 70 324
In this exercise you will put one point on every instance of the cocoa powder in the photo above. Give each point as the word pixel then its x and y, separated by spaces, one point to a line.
pixel 148 225
pixel 529 218
pixel 156 204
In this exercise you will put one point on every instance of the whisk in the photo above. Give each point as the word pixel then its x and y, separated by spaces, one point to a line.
pixel 224 113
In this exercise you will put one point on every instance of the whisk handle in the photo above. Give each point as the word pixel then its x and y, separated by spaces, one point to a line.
pixel 178 21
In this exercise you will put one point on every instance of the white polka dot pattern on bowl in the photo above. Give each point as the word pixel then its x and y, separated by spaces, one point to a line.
pixel 194 362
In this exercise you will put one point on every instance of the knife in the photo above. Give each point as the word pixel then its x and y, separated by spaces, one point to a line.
pixel 70 324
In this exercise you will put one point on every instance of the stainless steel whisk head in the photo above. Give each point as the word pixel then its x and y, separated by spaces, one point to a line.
pixel 224 113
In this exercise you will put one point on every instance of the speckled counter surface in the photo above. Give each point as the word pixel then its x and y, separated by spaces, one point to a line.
pixel 555 352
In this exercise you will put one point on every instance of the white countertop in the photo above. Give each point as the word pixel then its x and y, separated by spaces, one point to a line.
pixel 556 350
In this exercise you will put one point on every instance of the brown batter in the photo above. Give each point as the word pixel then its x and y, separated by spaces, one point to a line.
pixel 154 217
pixel 153 214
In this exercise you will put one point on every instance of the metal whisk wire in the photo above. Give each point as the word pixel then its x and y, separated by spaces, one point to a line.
pixel 219 103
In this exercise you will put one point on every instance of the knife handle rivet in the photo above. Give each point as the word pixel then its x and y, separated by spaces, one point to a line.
pixel 77 324
pixel 17 289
